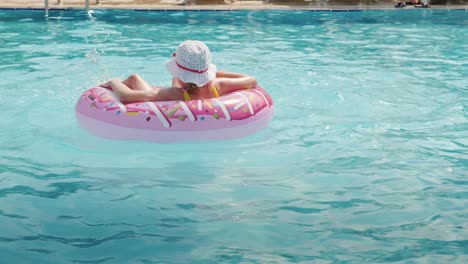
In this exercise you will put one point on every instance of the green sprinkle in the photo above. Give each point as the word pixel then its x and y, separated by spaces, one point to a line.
pixel 173 111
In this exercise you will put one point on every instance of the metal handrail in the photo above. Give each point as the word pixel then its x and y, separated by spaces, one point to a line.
pixel 59 2
pixel 87 4
pixel 46 8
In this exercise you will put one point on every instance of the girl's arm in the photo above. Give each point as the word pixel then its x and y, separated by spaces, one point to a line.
pixel 229 82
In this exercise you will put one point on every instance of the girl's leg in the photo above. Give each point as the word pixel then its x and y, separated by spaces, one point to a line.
pixel 118 87
pixel 133 89
pixel 135 82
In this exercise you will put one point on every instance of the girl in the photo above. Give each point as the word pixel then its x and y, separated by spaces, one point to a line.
pixel 194 77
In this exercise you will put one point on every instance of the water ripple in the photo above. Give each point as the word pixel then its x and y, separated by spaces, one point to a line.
pixel 100 260
pixel 59 189
pixel 92 242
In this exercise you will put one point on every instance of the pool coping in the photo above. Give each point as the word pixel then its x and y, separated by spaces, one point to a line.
pixel 227 7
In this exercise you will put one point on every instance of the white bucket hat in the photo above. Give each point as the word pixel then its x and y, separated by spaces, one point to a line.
pixel 192 63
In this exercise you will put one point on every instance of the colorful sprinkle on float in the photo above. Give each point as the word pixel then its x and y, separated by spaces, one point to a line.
pixel 230 116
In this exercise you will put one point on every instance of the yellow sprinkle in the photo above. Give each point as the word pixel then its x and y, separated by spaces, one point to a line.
pixel 208 104
pixel 132 113
pixel 106 98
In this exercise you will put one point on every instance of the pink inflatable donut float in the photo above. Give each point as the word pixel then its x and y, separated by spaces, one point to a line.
pixel 230 116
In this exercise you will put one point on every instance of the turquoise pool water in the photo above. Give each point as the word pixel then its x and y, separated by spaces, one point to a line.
pixel 365 161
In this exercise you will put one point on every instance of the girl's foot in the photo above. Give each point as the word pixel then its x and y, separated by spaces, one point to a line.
pixel 105 85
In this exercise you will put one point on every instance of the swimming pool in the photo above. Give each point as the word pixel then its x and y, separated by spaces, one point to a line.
pixel 364 162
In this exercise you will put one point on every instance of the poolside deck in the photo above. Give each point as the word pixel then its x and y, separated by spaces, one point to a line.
pixel 206 5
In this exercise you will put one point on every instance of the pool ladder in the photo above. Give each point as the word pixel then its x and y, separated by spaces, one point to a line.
pixel 59 2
